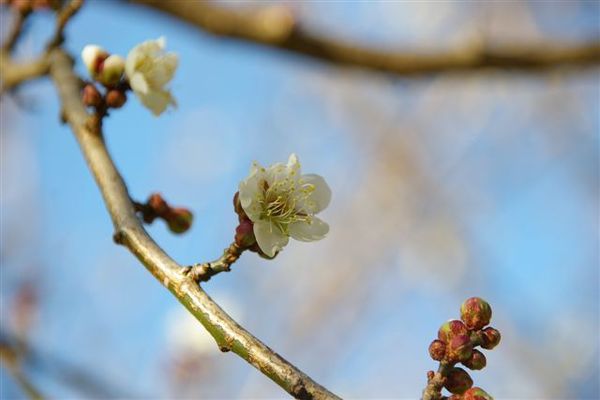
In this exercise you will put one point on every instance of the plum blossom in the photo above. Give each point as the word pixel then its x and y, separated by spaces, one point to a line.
pixel 281 202
pixel 148 69
pixel 104 67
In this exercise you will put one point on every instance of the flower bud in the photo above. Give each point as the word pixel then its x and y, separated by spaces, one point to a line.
pixel 237 206
pixel 450 329
pixel 437 350
pixel 476 362
pixel 490 338
pixel 93 56
pixel 458 381
pixel 111 70
pixel 90 96
pixel 459 348
pixel 244 234
pixel 476 393
pixel 475 313
pixel 115 98
pixel 158 205
pixel 179 220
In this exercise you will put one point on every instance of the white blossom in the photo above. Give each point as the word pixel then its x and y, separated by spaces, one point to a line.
pixel 148 69
pixel 92 56
pixel 104 67
pixel 281 202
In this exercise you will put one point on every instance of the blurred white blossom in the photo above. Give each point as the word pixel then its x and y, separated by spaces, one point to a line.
pixel 104 67
pixel 148 69
pixel 282 203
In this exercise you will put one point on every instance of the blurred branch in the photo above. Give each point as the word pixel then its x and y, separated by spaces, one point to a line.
pixel 11 358
pixel 13 74
pixel 15 31
pixel 274 27
pixel 128 231
pixel 62 18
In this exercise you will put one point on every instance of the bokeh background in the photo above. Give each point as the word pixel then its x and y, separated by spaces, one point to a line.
pixel 445 186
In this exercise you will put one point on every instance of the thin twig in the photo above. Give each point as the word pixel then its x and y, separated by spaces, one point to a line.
pixel 203 272
pixel 229 335
pixel 11 358
pixel 62 18
pixel 15 32
pixel 280 30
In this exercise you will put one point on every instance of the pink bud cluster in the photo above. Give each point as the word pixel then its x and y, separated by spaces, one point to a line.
pixel 178 219
pixel 456 343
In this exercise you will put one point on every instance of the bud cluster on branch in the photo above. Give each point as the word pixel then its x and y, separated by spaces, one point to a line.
pixel 456 343
pixel 178 219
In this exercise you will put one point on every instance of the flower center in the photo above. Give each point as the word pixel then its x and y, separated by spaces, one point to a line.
pixel 282 203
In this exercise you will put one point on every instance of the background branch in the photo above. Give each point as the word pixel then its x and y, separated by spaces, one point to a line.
pixel 278 29
pixel 229 335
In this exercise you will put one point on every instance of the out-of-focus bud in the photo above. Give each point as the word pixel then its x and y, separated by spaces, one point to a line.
pixel 93 56
pixel 490 338
pixel 244 234
pixel 459 348
pixel 450 329
pixel 437 350
pixel 111 70
pixel 158 204
pixel 179 220
pixel 475 313
pixel 458 381
pixel 40 4
pixel 115 98
pixel 476 393
pixel 90 96
pixel 476 362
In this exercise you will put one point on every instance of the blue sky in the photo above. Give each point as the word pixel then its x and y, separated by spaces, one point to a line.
pixel 507 186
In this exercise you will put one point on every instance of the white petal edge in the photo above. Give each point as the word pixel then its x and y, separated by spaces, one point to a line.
pixel 269 239
pixel 309 232
pixel 321 195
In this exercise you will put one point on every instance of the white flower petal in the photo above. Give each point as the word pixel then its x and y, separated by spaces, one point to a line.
pixel 163 70
pixel 321 197
pixel 156 100
pixel 250 192
pixel 308 232
pixel 91 55
pixel 148 70
pixel 138 83
pixel 269 238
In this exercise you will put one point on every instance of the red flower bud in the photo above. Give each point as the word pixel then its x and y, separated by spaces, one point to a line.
pixel 437 350
pixel 458 381
pixel 476 393
pixel 476 362
pixel 459 348
pixel 179 220
pixel 158 204
pixel 450 329
pixel 90 96
pixel 244 234
pixel 115 98
pixel 490 338
pixel 475 313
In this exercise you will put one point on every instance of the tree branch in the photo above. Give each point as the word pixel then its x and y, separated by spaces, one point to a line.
pixel 15 31
pixel 13 74
pixel 129 232
pixel 279 30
